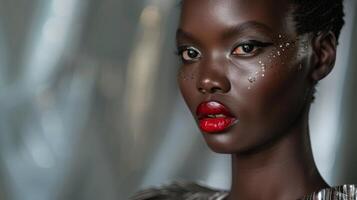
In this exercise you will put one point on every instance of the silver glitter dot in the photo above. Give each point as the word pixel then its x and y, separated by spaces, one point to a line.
pixel 251 79
pixel 263 75
pixel 280 36
pixel 287 44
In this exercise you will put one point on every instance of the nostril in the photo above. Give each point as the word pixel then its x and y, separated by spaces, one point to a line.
pixel 215 89
pixel 210 90
pixel 202 90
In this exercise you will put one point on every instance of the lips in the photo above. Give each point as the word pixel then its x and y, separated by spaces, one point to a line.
pixel 214 117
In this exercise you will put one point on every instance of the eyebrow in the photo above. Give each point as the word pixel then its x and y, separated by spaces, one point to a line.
pixel 249 25
pixel 229 32
pixel 180 33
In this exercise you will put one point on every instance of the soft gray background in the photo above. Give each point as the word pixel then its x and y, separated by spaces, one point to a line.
pixel 89 107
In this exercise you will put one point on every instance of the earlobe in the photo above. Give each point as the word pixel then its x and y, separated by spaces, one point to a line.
pixel 324 49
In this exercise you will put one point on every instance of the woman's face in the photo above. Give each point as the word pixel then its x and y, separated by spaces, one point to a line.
pixel 244 72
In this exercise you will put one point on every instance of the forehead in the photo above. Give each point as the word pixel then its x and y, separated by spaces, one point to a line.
pixel 213 15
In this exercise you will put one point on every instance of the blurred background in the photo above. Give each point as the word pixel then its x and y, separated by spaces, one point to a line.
pixel 90 109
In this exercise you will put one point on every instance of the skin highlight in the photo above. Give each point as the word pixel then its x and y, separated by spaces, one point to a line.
pixel 249 57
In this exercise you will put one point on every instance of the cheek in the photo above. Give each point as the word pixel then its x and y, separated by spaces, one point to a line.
pixel 274 90
pixel 280 60
pixel 277 98
pixel 184 75
pixel 186 79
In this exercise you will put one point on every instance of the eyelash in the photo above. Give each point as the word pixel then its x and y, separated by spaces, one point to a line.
pixel 257 46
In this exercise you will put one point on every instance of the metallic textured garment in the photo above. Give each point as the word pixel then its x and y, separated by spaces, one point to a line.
pixel 181 191
pixel 194 191
pixel 344 192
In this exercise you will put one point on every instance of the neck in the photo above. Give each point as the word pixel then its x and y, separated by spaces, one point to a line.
pixel 284 170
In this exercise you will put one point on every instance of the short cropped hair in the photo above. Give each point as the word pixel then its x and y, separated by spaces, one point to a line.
pixel 314 16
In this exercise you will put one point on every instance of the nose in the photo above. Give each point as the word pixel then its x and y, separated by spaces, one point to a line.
pixel 213 80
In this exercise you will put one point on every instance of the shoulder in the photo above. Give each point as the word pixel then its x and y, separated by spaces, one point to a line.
pixel 338 192
pixel 180 190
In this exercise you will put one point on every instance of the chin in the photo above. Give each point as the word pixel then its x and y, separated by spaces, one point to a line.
pixel 222 143
pixel 237 142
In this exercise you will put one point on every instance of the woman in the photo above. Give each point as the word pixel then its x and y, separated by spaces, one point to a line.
pixel 248 75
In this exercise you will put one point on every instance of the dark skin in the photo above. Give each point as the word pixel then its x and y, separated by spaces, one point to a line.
pixel 248 56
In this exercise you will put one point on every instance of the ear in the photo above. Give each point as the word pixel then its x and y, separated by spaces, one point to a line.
pixel 324 50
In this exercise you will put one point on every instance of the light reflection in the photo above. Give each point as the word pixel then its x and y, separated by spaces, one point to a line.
pixel 63 8
pixel 49 42
pixel 40 152
pixel 37 147
pixel 53 31
pixel 3 56
pixel 150 17
pixel 142 70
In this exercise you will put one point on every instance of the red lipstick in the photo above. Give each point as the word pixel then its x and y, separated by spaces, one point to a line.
pixel 214 117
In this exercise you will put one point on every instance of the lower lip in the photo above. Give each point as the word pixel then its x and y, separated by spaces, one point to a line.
pixel 215 125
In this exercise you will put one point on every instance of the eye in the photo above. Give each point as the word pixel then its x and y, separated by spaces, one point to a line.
pixel 245 50
pixel 189 54
pixel 250 48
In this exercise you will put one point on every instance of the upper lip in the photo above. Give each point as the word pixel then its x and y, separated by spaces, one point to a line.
pixel 210 109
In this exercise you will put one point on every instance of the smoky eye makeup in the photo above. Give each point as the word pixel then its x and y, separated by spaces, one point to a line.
pixel 243 49
pixel 249 48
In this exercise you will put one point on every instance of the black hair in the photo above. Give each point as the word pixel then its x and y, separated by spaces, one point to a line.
pixel 314 16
